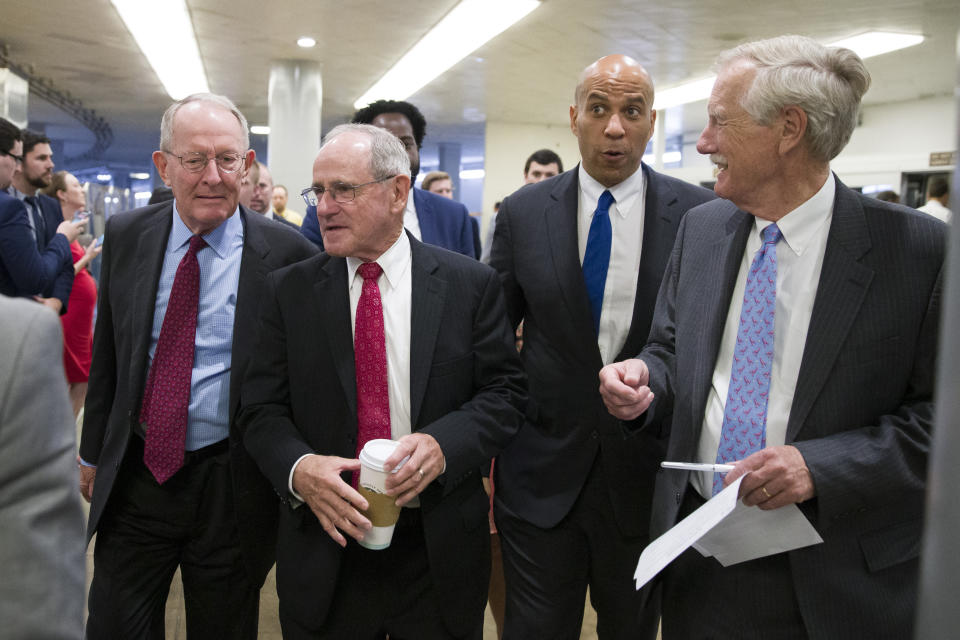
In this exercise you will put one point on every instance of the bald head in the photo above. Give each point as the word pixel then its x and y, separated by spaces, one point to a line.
pixel 613 117
pixel 616 67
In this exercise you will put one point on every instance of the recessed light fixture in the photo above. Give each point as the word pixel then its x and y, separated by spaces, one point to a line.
pixel 865 45
pixel 139 176
pixel 104 177
pixel 306 42
pixel 156 26
pixel 260 130
pixel 467 27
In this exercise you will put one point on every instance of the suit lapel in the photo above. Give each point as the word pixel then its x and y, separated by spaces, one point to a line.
pixel 151 243
pixel 253 274
pixel 659 231
pixel 560 222
pixel 334 316
pixel 426 218
pixel 721 261
pixel 844 283
pixel 427 299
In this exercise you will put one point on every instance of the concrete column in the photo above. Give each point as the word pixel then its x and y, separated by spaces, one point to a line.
pixel 659 139
pixel 295 98
pixel 449 155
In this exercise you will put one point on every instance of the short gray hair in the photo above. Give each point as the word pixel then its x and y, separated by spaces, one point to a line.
pixel 166 123
pixel 387 155
pixel 826 82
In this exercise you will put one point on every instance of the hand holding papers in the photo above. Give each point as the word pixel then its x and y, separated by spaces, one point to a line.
pixel 729 531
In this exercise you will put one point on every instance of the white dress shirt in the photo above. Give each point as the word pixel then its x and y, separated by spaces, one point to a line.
pixel 937 210
pixel 626 223
pixel 396 288
pixel 410 220
pixel 799 260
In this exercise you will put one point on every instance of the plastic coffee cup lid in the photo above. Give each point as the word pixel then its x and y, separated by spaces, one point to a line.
pixel 376 452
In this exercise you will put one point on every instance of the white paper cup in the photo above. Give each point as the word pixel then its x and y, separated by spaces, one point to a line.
pixel 383 511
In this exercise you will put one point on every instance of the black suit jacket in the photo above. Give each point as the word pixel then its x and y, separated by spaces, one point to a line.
pixel 52 217
pixel 862 411
pixel 467 390
pixel 541 473
pixel 132 258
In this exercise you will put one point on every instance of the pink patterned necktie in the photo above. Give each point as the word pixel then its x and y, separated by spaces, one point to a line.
pixel 370 357
pixel 166 397
pixel 744 428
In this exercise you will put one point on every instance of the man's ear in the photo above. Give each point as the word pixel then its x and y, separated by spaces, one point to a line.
pixel 160 162
pixel 793 127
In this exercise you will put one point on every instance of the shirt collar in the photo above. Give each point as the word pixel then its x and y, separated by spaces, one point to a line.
pixel 625 193
pixel 219 239
pixel 394 261
pixel 802 225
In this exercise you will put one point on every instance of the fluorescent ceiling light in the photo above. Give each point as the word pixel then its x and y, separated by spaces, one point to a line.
pixel 306 42
pixel 865 45
pixel 875 43
pixel 472 174
pixel 139 175
pixel 467 27
pixel 260 130
pixel 164 33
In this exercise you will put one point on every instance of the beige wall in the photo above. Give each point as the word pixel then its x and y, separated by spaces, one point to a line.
pixel 507 147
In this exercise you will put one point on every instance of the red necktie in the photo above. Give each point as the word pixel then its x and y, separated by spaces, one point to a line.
pixel 166 397
pixel 370 357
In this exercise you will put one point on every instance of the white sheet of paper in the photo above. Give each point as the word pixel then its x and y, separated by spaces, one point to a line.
pixel 726 529
pixel 750 533
pixel 662 551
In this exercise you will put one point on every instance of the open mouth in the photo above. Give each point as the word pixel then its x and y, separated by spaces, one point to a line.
pixel 720 161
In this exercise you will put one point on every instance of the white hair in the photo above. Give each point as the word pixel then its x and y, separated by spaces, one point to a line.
pixel 166 123
pixel 387 154
pixel 826 82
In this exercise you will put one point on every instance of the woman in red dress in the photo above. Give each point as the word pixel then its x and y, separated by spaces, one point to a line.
pixel 78 320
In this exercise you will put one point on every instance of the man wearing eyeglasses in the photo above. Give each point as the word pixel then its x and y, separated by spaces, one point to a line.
pixel 31 265
pixel 381 337
pixel 161 459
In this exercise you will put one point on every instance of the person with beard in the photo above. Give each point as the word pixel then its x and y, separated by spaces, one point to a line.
pixel 35 258
pixel 430 218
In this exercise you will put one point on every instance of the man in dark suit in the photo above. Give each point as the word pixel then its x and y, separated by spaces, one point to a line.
pixel 262 197
pixel 430 218
pixel 795 337
pixel 572 495
pixel 36 259
pixel 179 294
pixel 432 366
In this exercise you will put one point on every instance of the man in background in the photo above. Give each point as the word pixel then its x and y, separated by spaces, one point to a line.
pixel 280 206
pixel 261 199
pixel 541 165
pixel 938 197
pixel 429 217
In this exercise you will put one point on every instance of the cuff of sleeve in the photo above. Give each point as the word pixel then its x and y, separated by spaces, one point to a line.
pixel 297 496
pixel 86 464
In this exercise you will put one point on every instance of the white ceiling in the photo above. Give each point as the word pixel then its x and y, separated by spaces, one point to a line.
pixel 526 74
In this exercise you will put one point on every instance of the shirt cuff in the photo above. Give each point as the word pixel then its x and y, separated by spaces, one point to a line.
pixel 296 495
pixel 87 464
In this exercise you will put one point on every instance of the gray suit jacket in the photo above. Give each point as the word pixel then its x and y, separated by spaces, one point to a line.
pixel 541 472
pixel 41 522
pixel 862 411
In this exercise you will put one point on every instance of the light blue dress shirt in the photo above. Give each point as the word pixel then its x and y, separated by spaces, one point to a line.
pixel 208 418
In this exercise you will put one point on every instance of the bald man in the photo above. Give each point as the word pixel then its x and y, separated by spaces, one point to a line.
pixel 581 258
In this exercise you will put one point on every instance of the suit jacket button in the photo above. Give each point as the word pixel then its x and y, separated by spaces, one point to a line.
pixel 594 434
pixel 678 497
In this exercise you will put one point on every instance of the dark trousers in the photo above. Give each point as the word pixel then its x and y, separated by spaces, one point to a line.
pixel 148 530
pixel 384 593
pixel 702 599
pixel 548 570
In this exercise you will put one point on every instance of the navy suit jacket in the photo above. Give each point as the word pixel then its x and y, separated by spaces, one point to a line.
pixel 443 223
pixel 543 470
pixel 24 269
pixel 467 390
pixel 862 412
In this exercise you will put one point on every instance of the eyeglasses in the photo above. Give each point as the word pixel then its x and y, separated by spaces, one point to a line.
pixel 342 193
pixel 15 157
pixel 195 162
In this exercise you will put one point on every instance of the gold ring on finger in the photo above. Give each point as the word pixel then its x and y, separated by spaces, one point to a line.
pixel 765 492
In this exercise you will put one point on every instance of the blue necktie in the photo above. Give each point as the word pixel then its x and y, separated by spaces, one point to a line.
pixel 39 226
pixel 596 258
pixel 744 428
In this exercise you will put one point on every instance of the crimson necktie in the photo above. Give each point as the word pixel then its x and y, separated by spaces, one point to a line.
pixel 370 357
pixel 744 428
pixel 166 397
